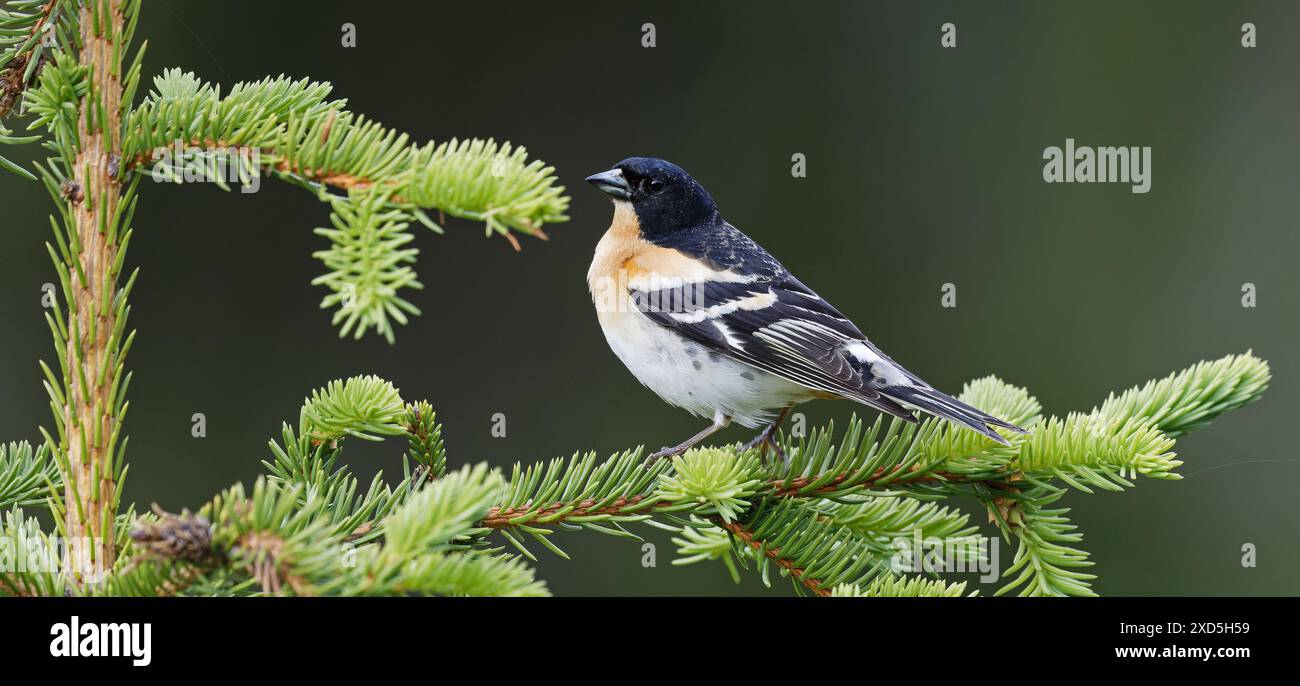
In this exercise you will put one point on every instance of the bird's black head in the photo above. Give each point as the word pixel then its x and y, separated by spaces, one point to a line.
pixel 665 197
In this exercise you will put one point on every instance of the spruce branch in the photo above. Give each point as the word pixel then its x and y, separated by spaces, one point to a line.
pixel 286 548
pixel 1129 435
pixel 470 575
pixel 873 482
pixel 578 493
pixel 365 407
pixel 424 549
pixel 902 587
pixel 305 529
pixel 424 436
pixel 159 578
pixel 817 556
pixel 27 477
pixel 274 536
pixel 375 180
pixel 314 467
pixel 829 520
pixel 27 29
pixel 440 513
pixel 166 555
pixel 30 560
pixel 744 536
pixel 1093 449
pixel 881 520
pixel 369 263
pixel 22 54
pixel 1046 562
pixel 717 481
pixel 931 460
pixel 1192 398
pixel 319 144
pixel 699 541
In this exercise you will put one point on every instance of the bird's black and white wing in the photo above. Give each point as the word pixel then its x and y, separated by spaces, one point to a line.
pixel 778 325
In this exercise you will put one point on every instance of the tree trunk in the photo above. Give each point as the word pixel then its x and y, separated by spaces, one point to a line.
pixel 89 420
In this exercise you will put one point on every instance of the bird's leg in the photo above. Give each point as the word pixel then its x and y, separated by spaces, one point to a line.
pixel 719 422
pixel 767 436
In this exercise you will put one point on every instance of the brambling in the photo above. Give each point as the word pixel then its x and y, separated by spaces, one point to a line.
pixel 713 324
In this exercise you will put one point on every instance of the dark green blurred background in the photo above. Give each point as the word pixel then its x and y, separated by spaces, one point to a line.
pixel 924 167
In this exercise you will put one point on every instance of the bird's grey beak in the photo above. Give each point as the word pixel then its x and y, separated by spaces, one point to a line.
pixel 612 183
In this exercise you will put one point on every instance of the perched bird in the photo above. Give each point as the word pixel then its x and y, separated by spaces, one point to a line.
pixel 712 323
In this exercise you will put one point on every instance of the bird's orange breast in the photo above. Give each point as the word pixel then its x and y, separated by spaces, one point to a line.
pixel 626 259
pixel 620 244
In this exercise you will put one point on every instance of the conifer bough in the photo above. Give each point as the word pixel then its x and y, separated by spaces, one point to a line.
pixel 67 68
pixel 825 520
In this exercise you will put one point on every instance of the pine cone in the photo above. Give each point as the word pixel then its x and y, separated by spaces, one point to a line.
pixel 184 537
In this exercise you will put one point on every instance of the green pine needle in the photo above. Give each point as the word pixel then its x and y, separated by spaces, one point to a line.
pixel 902 587
pixel 385 180
pixel 369 264
pixel 718 479
pixel 27 476
pixel 1189 399
pixel 365 407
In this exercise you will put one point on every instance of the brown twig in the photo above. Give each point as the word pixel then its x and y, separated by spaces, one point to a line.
pixel 11 78
pixel 791 487
pixel 499 518
pixel 328 177
pixel 748 538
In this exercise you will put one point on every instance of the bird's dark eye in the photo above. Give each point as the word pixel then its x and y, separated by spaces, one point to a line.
pixel 656 185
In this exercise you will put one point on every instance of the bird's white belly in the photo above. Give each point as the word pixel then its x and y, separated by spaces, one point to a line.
pixel 691 376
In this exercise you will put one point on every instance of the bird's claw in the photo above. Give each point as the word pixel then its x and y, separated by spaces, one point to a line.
pixel 664 452
pixel 763 442
pixel 778 451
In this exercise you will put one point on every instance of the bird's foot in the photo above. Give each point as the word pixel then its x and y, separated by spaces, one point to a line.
pixel 666 452
pixel 764 441
pixel 778 451
pixel 767 438
pixel 719 422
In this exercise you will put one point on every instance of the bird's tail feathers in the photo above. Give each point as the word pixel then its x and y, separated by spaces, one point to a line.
pixel 942 405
